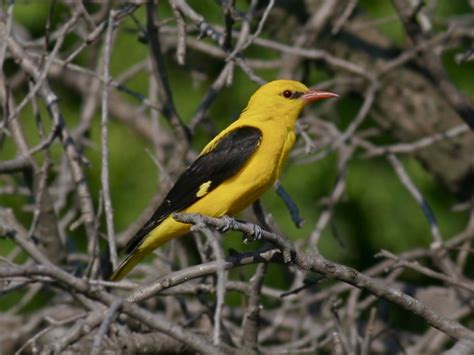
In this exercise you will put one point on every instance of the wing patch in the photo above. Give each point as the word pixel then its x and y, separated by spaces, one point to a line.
pixel 203 189
pixel 207 172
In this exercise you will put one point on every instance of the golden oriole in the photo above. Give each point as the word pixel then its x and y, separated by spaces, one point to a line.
pixel 233 169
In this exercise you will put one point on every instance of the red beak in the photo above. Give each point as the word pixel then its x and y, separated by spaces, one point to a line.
pixel 315 95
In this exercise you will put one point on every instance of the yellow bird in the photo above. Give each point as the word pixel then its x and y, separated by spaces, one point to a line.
pixel 233 169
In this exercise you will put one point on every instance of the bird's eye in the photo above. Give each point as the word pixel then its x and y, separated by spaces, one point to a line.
pixel 287 94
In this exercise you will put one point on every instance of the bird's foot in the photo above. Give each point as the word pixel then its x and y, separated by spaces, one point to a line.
pixel 229 223
pixel 256 234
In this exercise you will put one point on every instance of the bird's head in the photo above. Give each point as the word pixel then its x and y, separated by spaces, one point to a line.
pixel 285 97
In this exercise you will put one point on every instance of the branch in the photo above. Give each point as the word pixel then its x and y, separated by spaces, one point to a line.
pixel 104 176
pixel 161 76
pixel 431 61
pixel 320 265
pixel 82 286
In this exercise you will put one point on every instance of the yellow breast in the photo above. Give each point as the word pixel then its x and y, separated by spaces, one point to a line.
pixel 255 177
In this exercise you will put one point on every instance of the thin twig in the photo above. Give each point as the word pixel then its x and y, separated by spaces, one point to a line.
pixel 104 326
pixel 410 186
pixel 109 217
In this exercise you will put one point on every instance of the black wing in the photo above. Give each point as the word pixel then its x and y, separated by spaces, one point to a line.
pixel 203 175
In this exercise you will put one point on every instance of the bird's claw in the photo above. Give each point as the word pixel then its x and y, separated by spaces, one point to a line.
pixel 229 223
pixel 256 234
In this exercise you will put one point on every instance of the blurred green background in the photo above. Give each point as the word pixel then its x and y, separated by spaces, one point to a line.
pixel 376 212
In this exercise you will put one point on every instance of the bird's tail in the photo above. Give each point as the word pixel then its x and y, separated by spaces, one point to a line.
pixel 168 229
pixel 127 265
